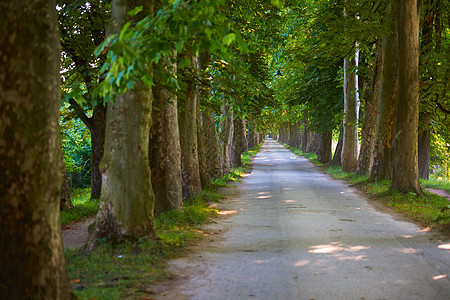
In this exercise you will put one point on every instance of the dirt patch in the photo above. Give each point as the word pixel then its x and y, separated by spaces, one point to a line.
pixel 75 235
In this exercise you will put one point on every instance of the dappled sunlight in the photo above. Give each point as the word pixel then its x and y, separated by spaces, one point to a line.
pixel 426 229
pixel 301 263
pixel 406 250
pixel 227 212
pixel 289 201
pixel 437 277
pixel 263 193
pixel 406 236
pixel 444 246
pixel 264 197
pixel 335 247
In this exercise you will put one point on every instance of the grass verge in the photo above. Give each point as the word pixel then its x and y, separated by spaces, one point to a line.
pixel 430 210
pixel 127 270
pixel 83 207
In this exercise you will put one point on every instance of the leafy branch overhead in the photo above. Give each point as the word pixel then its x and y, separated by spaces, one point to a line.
pixel 185 26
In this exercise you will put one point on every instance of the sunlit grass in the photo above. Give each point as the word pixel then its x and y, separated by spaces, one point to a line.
pixel 83 206
pixel 428 210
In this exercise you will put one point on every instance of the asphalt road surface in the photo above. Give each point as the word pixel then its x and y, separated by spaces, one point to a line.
pixel 294 233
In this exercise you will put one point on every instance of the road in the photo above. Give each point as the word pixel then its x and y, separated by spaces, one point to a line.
pixel 297 234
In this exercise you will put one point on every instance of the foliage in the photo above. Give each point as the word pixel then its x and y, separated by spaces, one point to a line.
pixel 83 207
pixel 76 145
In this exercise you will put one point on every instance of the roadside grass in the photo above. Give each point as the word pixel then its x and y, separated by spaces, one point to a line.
pixel 127 270
pixel 83 207
pixel 430 210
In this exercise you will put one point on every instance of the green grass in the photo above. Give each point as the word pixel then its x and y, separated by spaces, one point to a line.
pixel 429 210
pixel 436 183
pixel 83 206
pixel 126 270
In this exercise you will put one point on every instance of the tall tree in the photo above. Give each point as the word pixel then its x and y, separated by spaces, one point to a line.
pixel 164 148
pixel 404 164
pixel 349 156
pixel 127 201
pixel 32 259
pixel 187 122
pixel 369 124
pixel 226 135
pixel 387 102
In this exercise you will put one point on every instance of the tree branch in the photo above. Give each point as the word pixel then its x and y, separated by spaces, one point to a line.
pixel 80 113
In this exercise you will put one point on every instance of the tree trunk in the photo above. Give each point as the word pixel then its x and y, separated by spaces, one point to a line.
pixel 424 154
pixel 305 137
pixel 349 156
pixel 212 151
pixel 66 203
pixel 313 142
pixel 337 154
pixel 387 102
pixel 369 125
pixel 32 260
pixel 165 149
pixel 205 178
pixel 238 142
pixel 226 136
pixel 404 164
pixel 208 124
pixel 324 151
pixel 127 200
pixel 188 136
pixel 98 147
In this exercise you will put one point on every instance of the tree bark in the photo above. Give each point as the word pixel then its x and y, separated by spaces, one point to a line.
pixel 337 154
pixel 226 136
pixel 324 151
pixel 349 156
pixel 97 130
pixel 32 260
pixel 66 202
pixel 424 154
pixel 369 125
pixel 387 102
pixel 239 142
pixel 165 149
pixel 404 164
pixel 212 149
pixel 188 136
pixel 127 200
pixel 305 137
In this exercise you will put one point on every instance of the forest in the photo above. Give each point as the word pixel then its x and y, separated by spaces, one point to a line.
pixel 144 102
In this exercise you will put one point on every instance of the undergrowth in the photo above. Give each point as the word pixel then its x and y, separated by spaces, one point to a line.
pixel 127 270
pixel 83 206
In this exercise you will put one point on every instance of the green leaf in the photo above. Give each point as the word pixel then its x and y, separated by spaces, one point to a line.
pixel 179 45
pixel 135 11
pixel 208 32
pixel 228 39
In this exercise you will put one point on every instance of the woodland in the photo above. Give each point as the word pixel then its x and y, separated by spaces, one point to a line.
pixel 145 101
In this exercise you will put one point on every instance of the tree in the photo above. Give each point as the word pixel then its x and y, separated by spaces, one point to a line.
pixel 404 164
pixel 387 102
pixel 164 148
pixel 82 25
pixel 127 201
pixel 32 260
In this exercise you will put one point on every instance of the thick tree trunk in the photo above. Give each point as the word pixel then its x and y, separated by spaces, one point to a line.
pixel 252 138
pixel 324 151
pixel 369 125
pixel 404 152
pixel 424 154
pixel 208 125
pixel 97 130
pixel 32 260
pixel 238 142
pixel 387 102
pixel 66 203
pixel 313 142
pixel 127 200
pixel 305 137
pixel 165 150
pixel 337 154
pixel 205 178
pixel 212 149
pixel 226 136
pixel 349 157
pixel 188 136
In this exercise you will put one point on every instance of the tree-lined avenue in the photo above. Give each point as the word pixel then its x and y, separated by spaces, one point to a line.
pixel 297 234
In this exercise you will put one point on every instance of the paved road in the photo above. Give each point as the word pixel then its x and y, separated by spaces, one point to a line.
pixel 297 234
